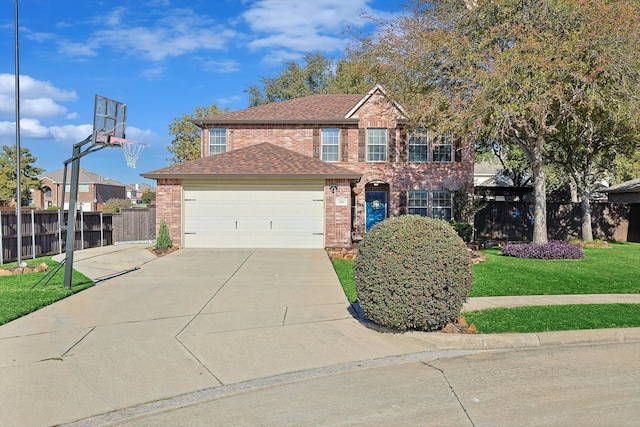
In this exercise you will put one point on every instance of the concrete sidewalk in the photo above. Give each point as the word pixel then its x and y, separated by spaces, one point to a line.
pixel 202 320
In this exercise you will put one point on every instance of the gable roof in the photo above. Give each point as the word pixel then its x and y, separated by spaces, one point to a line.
pixel 632 186
pixel 260 160
pixel 376 89
pixel 85 177
pixel 309 109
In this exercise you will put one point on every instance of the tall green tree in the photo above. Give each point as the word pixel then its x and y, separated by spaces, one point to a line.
pixel 185 145
pixel 625 167
pixel 318 74
pixel 29 174
pixel 506 70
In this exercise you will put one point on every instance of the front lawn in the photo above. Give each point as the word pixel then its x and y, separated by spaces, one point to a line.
pixel 554 318
pixel 18 299
pixel 613 270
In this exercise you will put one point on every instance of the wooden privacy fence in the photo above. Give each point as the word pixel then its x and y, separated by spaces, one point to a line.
pixel 135 224
pixel 513 221
pixel 41 233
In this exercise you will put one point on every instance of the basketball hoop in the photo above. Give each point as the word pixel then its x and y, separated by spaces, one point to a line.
pixel 131 149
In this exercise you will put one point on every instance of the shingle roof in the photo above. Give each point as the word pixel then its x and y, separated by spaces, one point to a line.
pixel 86 177
pixel 632 186
pixel 260 160
pixel 313 108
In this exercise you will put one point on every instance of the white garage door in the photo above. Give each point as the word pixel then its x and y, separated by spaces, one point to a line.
pixel 253 218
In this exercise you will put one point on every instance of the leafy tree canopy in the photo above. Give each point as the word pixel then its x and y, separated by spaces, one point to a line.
pixel 318 74
pixel 511 70
pixel 29 179
pixel 185 145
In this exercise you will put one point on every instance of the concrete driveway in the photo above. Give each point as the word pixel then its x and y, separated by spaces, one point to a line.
pixel 197 324
pixel 192 320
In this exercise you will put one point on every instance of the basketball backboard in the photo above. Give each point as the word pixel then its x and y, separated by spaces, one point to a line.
pixel 109 119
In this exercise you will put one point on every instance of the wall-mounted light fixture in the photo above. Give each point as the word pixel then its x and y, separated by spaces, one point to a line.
pixel 333 188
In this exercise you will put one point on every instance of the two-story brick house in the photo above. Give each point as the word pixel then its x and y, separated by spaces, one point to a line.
pixel 93 190
pixel 317 171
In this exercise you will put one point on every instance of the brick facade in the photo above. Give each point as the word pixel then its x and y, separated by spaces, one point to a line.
pixel 345 199
pixel 91 196
pixel 169 207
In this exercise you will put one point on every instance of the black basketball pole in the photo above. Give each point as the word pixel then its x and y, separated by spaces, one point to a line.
pixel 18 156
pixel 73 201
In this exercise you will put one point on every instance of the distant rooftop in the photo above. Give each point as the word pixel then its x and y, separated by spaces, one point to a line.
pixel 86 177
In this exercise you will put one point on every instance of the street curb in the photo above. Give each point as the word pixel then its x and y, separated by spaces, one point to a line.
pixel 442 341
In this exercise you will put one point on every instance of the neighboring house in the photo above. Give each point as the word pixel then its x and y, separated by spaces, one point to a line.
pixel 93 190
pixel 485 172
pixel 491 184
pixel 136 191
pixel 317 171
pixel 625 192
pixel 628 192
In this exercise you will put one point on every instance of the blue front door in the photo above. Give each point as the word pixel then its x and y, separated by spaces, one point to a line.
pixel 376 207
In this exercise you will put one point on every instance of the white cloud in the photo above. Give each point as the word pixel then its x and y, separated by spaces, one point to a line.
pixel 139 135
pixel 70 133
pixel 221 66
pixel 304 26
pixel 41 107
pixel 37 98
pixel 179 32
pixel 29 128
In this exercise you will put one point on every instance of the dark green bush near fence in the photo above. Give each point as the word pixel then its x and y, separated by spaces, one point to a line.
pixel 412 272
pixel 464 230
pixel 163 241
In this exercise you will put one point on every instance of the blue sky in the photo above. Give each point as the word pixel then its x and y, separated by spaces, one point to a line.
pixel 160 57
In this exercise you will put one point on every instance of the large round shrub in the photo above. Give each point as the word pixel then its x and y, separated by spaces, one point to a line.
pixel 412 272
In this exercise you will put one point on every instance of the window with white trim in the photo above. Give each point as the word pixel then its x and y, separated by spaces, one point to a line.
pixel 442 203
pixel 418 202
pixel 376 145
pixel 330 145
pixel 443 148
pixel 217 141
pixel 419 145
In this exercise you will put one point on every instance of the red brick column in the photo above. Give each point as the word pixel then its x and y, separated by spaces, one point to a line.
pixel 169 207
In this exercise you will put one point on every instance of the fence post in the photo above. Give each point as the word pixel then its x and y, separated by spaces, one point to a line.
pixel 33 234
pixel 60 231
pixel 81 228
pixel 101 229
pixel 1 241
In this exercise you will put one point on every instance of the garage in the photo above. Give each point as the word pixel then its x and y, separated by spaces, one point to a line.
pixel 261 196
pixel 254 217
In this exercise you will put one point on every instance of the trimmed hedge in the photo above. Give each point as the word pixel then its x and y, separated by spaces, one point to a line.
pixel 412 272
pixel 550 250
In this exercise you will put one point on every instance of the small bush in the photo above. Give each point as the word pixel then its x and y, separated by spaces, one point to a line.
pixel 114 205
pixel 550 250
pixel 464 230
pixel 163 241
pixel 412 272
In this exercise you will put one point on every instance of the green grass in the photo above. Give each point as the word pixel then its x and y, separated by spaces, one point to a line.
pixel 344 270
pixel 555 318
pixel 614 270
pixel 18 299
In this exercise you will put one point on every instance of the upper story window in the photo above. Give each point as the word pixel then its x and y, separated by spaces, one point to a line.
pixel 82 188
pixel 330 145
pixel 217 141
pixel 443 149
pixel 419 145
pixel 376 145
pixel 418 203
pixel 46 191
pixel 442 205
